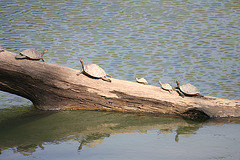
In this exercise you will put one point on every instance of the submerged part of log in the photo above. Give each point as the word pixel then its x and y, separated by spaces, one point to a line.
pixel 55 87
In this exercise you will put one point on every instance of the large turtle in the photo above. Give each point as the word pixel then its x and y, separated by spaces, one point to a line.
pixel 166 87
pixel 31 54
pixel 94 71
pixel 142 81
pixel 187 90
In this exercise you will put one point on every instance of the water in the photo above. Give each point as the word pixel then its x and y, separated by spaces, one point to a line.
pixel 192 41
pixel 31 134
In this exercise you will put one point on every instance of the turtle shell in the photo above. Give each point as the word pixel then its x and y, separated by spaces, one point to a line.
pixel 94 71
pixel 167 86
pixel 189 89
pixel 31 53
pixel 142 81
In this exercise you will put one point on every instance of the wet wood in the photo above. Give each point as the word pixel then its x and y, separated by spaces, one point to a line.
pixel 55 87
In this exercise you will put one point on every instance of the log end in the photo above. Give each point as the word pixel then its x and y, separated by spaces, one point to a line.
pixel 196 114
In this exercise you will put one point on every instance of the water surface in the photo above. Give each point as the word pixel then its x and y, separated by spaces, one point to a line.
pixel 30 134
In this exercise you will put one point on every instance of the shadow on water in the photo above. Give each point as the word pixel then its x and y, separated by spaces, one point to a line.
pixel 26 130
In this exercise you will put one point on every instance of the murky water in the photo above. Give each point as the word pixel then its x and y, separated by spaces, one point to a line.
pixel 195 41
pixel 29 134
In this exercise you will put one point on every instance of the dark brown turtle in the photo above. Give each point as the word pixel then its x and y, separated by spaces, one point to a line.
pixel 31 54
pixel 95 71
pixel 187 90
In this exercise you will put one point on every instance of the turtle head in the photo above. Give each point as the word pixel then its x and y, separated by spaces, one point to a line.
pixel 45 50
pixel 160 83
pixel 178 83
pixel 81 60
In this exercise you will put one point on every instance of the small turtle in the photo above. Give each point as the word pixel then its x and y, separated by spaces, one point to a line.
pixel 142 81
pixel 94 71
pixel 166 87
pixel 31 54
pixel 1 49
pixel 187 90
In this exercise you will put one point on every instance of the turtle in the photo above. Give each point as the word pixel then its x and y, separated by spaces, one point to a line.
pixel 94 71
pixel 166 87
pixel 142 81
pixel 31 54
pixel 187 90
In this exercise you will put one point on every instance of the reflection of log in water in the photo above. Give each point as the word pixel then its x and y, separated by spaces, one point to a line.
pixel 33 129
pixel 55 87
pixel 92 140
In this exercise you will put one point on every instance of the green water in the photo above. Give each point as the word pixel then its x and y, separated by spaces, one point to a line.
pixel 194 41
pixel 30 134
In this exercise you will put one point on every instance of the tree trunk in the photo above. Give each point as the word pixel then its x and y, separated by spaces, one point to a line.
pixel 55 87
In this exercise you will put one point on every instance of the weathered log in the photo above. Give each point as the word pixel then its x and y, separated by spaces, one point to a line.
pixel 55 87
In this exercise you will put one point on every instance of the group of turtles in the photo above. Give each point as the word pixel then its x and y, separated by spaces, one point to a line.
pixel 184 90
pixel 94 71
pixel 91 70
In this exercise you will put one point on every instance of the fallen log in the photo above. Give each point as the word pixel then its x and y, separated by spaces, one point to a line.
pixel 55 87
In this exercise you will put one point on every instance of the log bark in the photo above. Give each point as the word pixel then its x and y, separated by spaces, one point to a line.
pixel 55 87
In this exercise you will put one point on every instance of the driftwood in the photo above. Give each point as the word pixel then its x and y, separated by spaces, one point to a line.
pixel 55 87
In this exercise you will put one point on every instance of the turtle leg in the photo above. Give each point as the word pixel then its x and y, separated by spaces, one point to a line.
pixel 180 93
pixel 108 75
pixel 79 73
pixel 106 79
pixel 19 56
pixel 199 95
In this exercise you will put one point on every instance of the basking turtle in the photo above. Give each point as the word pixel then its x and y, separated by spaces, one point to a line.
pixel 94 71
pixel 142 81
pixel 31 54
pixel 187 90
pixel 166 87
